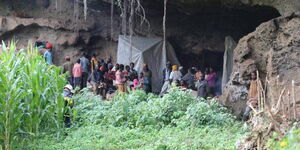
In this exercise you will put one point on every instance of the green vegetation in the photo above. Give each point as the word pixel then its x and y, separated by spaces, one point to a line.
pixel 32 108
pixel 140 121
pixel 291 141
pixel 30 96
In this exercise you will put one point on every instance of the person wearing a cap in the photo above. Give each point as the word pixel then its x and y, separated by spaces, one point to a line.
pixel 48 54
pixel 67 95
pixel 175 74
pixel 68 67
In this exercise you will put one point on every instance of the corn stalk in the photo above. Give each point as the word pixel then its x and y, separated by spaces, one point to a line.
pixel 30 96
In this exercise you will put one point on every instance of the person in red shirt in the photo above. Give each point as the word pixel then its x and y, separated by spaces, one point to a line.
pixel 77 74
pixel 110 76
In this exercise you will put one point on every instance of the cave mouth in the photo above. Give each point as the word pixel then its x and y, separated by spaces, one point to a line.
pixel 199 38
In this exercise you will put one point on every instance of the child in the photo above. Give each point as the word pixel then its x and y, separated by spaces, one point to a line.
pixel 141 80
pixel 135 84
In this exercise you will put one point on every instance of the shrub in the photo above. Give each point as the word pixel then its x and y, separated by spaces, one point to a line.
pixel 138 109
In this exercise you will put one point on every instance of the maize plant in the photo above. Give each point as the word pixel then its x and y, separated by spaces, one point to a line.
pixel 30 95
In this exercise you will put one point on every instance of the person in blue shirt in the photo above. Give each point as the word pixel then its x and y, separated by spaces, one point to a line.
pixel 48 54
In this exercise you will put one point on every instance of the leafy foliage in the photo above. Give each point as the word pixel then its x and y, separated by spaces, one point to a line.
pixel 145 121
pixel 290 142
pixel 119 138
pixel 137 109
pixel 30 95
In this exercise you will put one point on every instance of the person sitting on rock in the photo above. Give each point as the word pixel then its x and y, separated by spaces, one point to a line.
pixel 252 97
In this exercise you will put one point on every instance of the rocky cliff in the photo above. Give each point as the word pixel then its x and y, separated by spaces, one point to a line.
pixel 273 49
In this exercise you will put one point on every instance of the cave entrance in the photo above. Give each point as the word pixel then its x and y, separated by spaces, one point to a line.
pixel 198 37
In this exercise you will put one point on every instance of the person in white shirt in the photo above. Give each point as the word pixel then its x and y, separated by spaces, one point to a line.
pixel 175 74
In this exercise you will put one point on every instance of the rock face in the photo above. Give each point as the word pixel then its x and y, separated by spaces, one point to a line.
pixel 285 7
pixel 274 50
pixel 61 23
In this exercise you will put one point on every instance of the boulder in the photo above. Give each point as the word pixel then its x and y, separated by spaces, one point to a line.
pixel 273 49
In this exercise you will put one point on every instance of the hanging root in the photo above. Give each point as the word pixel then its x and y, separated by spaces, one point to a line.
pixel 112 19
pixel 164 24
pixel 85 9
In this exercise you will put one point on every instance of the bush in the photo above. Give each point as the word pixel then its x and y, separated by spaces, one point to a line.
pixel 137 109
pixel 208 113
pixel 145 121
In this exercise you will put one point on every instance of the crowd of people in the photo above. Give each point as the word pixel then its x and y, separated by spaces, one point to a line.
pixel 204 82
pixel 104 77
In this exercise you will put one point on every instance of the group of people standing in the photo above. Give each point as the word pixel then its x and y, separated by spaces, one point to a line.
pixel 194 79
pixel 104 76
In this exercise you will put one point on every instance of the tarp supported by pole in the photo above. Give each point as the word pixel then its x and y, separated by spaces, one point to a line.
pixel 146 51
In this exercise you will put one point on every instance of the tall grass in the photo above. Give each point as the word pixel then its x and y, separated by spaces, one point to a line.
pixel 30 95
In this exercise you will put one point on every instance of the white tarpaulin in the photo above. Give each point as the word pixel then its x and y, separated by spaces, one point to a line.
pixel 230 45
pixel 146 51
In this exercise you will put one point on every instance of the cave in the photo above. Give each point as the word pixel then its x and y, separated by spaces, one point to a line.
pixel 199 37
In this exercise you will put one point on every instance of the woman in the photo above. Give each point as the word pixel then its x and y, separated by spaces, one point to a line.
pixel 120 79
pixel 94 63
pixel 211 81
pixel 147 79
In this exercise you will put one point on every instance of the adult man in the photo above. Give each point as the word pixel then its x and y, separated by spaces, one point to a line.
pixel 77 74
pixel 252 97
pixel 67 67
pixel 189 79
pixel 84 62
pixel 48 54
pixel 202 86
pixel 166 79
pixel 133 72
pixel 94 80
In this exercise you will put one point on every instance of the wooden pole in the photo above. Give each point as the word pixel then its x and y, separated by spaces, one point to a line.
pixel 294 100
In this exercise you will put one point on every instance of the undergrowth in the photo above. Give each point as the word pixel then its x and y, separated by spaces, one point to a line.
pixel 291 141
pixel 145 121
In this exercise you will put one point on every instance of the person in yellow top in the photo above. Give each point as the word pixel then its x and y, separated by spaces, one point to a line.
pixel 252 97
pixel 94 62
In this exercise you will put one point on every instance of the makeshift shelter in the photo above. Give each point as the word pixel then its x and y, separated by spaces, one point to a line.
pixel 141 50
